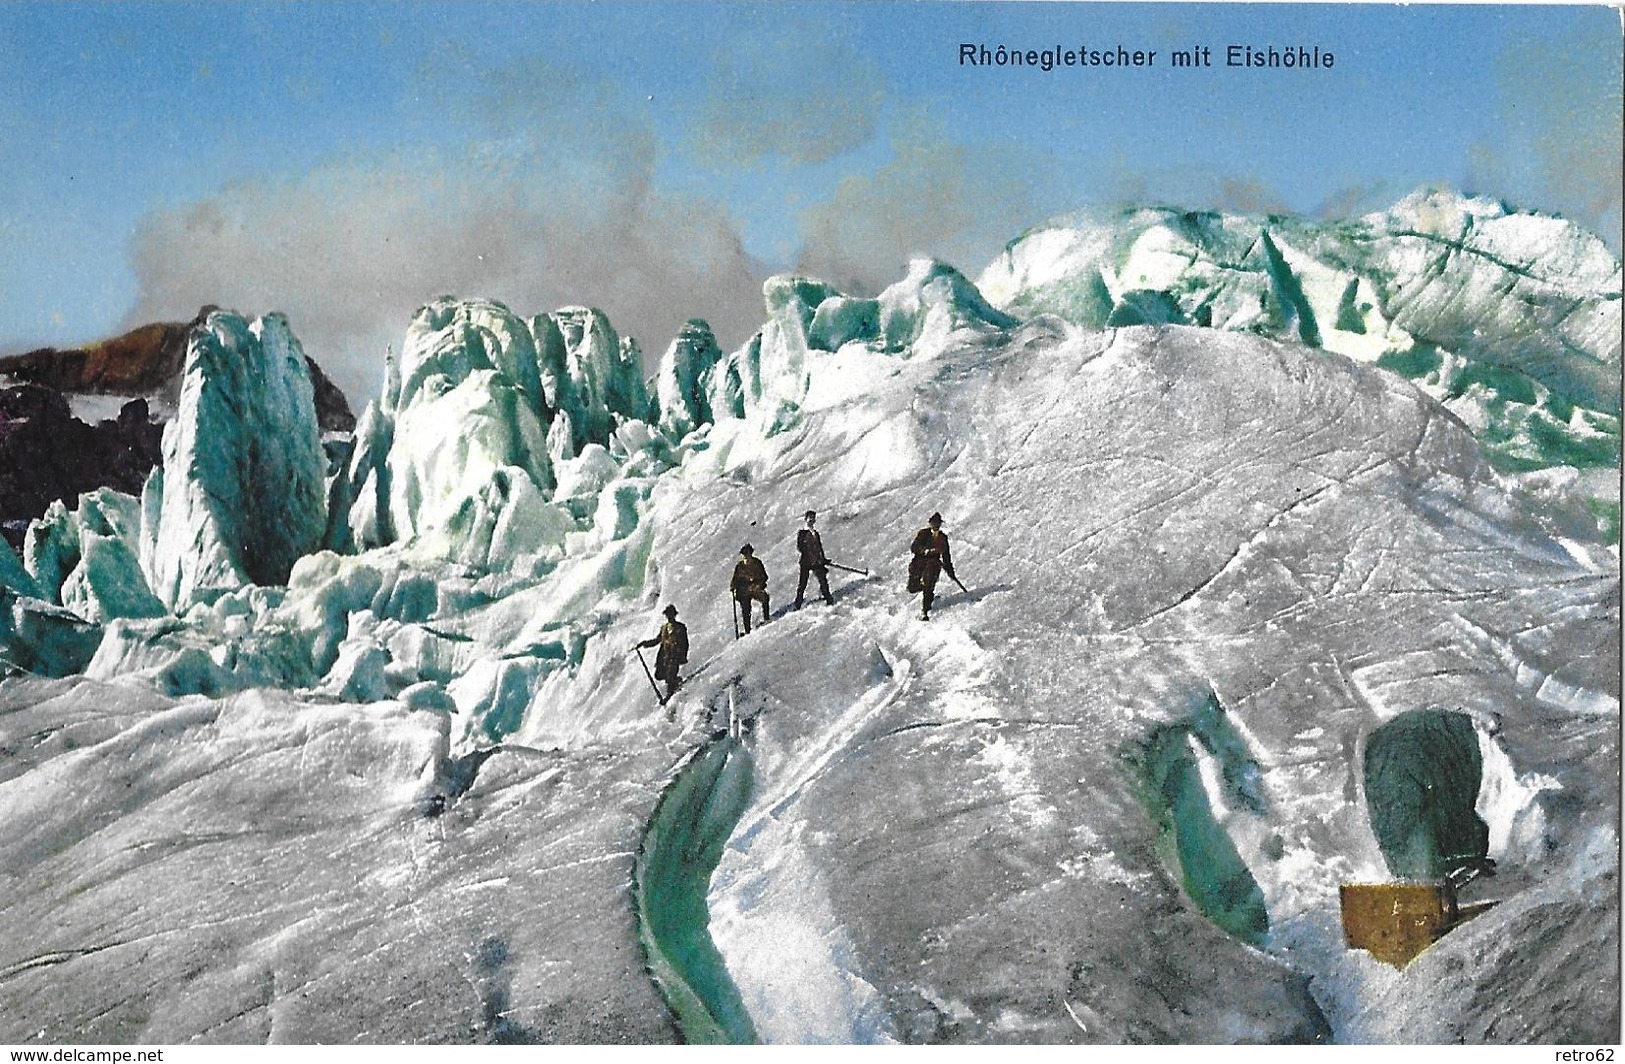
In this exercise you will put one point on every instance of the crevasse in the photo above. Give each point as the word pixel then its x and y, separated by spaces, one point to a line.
pixel 672 874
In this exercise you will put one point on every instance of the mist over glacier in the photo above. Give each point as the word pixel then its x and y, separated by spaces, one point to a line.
pixel 345 740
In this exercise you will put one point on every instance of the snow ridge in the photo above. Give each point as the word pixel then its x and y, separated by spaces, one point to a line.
pixel 940 817
pixel 1511 319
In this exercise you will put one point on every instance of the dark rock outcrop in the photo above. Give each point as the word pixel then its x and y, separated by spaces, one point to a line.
pixel 47 454
pixel 147 361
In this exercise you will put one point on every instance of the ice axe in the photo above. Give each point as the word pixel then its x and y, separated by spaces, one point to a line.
pixel 848 568
pixel 962 587
pixel 736 615
pixel 658 697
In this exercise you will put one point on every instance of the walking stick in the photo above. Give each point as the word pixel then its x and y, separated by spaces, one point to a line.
pixel 658 697
pixel 962 587
pixel 848 568
pixel 736 615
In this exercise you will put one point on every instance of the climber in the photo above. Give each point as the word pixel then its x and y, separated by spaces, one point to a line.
pixel 813 560
pixel 749 584
pixel 673 643
pixel 931 559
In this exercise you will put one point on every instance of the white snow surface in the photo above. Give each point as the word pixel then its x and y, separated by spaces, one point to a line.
pixel 1465 274
pixel 428 834
pixel 1509 318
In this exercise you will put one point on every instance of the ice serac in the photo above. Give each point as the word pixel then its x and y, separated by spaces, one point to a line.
pixel 242 493
pixel 842 319
pixel 558 389
pixel 467 473
pixel 685 370
pixel 605 374
pixel 1526 291
pixel 36 635
pixel 106 580
pixel 781 360
pixel 86 559
pixel 933 301
pixel 469 455
pixel 767 380
pixel 51 550
pixel 358 493
pixel 81 570
pixel 1511 319
pixel 14 577
pixel 1106 793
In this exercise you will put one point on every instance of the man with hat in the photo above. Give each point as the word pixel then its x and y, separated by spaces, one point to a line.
pixel 931 559
pixel 673 653
pixel 749 584
pixel 813 560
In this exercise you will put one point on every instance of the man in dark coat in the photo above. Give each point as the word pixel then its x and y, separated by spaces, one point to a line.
pixel 813 560
pixel 931 559
pixel 749 584
pixel 673 653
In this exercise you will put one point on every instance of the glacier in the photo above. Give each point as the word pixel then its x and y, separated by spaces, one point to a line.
pixel 370 759
pixel 1509 318
pixel 212 521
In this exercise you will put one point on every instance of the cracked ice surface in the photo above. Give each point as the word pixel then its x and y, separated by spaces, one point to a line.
pixel 258 869
pixel 945 841
pixel 1511 319
pixel 1140 515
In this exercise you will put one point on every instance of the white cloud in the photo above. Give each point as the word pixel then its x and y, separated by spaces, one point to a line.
pixel 542 209
pixel 937 196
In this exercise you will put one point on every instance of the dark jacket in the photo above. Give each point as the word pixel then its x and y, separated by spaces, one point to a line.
pixel 673 644
pixel 749 579
pixel 931 558
pixel 811 548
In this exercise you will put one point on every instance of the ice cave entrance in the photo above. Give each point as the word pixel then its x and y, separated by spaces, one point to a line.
pixel 1423 772
pixel 1422 775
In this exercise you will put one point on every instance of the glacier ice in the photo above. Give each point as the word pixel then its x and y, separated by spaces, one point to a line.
pixel 43 639
pixel 1511 319
pixel 107 581
pixel 933 301
pixel 51 550
pixel 687 835
pixel 14 577
pixel 685 403
pixel 1423 774
pixel 467 439
pixel 430 761
pixel 605 371
pixel 247 421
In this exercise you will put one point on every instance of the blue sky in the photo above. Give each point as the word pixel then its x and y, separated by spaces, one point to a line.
pixel 344 162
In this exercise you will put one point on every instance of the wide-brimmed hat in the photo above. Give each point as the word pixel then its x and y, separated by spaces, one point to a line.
pixel 810 514
pixel 670 611
pixel 934 519
pixel 747 549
